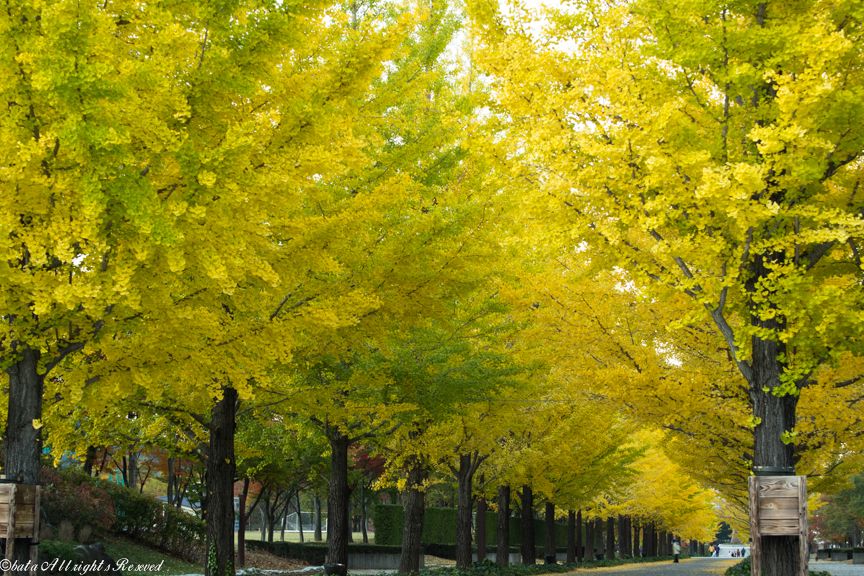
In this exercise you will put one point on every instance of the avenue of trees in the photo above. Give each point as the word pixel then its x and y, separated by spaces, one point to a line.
pixel 602 258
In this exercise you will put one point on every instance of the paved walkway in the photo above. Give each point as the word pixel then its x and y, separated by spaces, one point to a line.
pixel 689 567
pixel 838 568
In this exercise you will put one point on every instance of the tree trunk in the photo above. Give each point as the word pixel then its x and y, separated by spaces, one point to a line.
pixel 481 527
pixel 580 544
pixel 220 487
pixel 599 536
pixel 23 440
pixel 589 539
pixel 329 524
pixel 263 513
pixel 89 460
pixel 529 554
pixel 610 538
pixel 349 519
pixel 502 552
pixel 241 526
pixel 271 519
pixel 571 536
pixel 338 522
pixel 363 513
pixel 464 510
pixel 653 536
pixel 318 537
pixel 622 541
pixel 133 471
pixel 776 415
pixel 549 547
pixel 170 495
pixel 415 508
pixel 299 516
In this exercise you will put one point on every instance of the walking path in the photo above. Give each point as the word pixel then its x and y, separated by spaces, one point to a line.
pixel 838 568
pixel 689 567
pixel 710 567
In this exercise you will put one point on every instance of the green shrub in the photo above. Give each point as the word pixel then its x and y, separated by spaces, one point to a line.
pixel 66 497
pixel 72 495
pixel 50 550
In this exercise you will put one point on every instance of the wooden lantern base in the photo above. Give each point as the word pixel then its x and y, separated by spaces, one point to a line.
pixel 19 518
pixel 778 507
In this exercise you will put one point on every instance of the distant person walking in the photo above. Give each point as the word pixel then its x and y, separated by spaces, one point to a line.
pixel 711 550
pixel 676 550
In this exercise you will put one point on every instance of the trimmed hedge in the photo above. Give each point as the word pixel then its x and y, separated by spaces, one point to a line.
pixel 439 527
pixel 315 553
pixel 389 521
pixel 69 494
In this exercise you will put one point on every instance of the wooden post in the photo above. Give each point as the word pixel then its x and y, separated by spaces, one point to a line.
pixel 755 536
pixel 803 544
pixel 34 543
pixel 10 526
pixel 778 507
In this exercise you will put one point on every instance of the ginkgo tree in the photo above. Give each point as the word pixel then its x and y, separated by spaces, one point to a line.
pixel 145 149
pixel 709 149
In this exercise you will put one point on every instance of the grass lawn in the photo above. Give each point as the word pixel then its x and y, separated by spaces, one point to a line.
pixel 136 554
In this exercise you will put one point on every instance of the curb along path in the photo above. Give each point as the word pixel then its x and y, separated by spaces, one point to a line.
pixel 690 567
